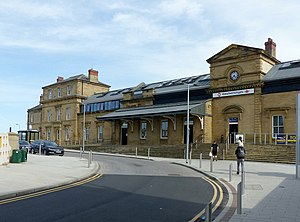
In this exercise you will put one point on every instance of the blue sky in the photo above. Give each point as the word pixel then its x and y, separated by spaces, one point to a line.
pixel 128 41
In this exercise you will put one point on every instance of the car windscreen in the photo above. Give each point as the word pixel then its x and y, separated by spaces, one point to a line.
pixel 23 142
pixel 50 143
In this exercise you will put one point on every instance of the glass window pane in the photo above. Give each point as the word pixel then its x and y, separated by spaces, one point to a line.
pixel 280 120
pixel 281 130
pixel 117 104
pixel 98 107
pixel 143 130
pixel 164 129
pixel 100 132
pixel 275 120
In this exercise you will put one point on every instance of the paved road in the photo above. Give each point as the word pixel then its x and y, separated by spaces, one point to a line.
pixel 129 190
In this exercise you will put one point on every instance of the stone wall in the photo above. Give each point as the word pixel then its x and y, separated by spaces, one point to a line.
pixel 260 153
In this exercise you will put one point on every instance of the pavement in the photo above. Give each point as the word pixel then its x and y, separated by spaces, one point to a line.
pixel 272 192
pixel 43 172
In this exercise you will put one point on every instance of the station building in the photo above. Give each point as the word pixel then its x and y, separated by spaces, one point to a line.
pixel 248 92
pixel 56 115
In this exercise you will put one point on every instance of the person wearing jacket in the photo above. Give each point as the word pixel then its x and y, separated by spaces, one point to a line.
pixel 240 155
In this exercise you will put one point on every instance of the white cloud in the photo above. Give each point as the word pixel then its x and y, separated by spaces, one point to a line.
pixel 131 40
pixel 33 10
pixel 188 8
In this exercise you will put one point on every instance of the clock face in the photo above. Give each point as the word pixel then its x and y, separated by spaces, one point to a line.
pixel 234 75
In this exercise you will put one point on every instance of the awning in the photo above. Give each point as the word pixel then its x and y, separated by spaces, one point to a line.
pixel 155 110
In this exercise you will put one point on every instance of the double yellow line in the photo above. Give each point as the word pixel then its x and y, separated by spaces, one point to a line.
pixel 215 202
pixel 51 190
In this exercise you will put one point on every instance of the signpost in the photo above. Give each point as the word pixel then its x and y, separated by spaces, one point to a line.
pixel 298 136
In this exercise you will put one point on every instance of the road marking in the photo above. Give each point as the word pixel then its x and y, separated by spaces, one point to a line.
pixel 51 190
pixel 213 200
pixel 220 198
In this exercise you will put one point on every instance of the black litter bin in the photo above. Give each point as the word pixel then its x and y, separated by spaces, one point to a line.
pixel 16 156
pixel 23 155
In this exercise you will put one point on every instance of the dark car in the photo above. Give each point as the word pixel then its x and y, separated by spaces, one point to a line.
pixel 23 144
pixel 47 147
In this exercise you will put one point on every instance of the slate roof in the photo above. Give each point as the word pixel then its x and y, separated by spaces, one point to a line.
pixel 106 96
pixel 284 70
pixel 76 77
pixel 35 108
pixel 169 86
pixel 150 111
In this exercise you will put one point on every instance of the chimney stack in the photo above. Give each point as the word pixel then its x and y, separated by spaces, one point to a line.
pixel 41 98
pixel 93 75
pixel 270 47
pixel 59 79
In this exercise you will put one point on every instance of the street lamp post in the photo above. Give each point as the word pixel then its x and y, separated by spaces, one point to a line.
pixel 298 136
pixel 83 128
pixel 188 124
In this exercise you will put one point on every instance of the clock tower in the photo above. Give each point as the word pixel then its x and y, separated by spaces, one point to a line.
pixel 236 75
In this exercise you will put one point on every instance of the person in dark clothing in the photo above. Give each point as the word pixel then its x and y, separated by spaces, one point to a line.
pixel 214 150
pixel 240 155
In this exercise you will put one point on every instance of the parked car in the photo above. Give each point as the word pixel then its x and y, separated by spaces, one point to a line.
pixel 47 147
pixel 23 144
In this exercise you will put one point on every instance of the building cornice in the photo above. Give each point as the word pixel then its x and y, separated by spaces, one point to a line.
pixel 54 100
pixel 231 88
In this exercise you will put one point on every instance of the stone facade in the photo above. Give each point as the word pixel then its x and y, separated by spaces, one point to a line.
pixel 239 104
pixel 56 116
pixel 246 92
pixel 238 68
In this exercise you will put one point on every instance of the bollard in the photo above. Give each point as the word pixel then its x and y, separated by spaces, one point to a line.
pixel 208 212
pixel 190 157
pixel 148 153
pixel 184 155
pixel 90 159
pixel 80 154
pixel 200 161
pixel 243 182
pixel 239 198
pixel 223 153
pixel 230 172
pixel 40 149
pixel 136 152
pixel 211 164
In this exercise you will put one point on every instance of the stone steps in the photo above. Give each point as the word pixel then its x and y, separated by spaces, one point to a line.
pixel 260 153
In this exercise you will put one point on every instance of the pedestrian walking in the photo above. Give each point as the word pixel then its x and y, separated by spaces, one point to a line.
pixel 214 150
pixel 240 155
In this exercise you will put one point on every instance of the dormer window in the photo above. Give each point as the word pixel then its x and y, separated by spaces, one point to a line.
pixel 50 94
pixel 68 90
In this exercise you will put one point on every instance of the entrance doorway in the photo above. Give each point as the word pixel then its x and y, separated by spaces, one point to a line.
pixel 191 134
pixel 233 128
pixel 124 134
